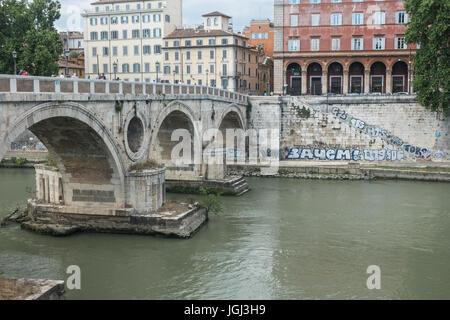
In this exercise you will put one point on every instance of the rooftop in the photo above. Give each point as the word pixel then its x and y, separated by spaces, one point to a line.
pixel 200 32
pixel 215 14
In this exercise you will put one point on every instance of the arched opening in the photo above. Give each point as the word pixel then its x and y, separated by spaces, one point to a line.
pixel 315 79
pixel 135 134
pixel 335 78
pixel 234 141
pixel 88 171
pixel 294 79
pixel 176 123
pixel 356 78
pixel 400 77
pixel 378 78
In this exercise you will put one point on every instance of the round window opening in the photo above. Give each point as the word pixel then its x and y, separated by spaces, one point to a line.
pixel 135 134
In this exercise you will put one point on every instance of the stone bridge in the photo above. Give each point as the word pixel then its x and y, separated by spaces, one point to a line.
pixel 96 131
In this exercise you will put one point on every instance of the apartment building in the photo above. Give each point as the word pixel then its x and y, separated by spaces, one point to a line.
pixel 211 54
pixel 342 47
pixel 124 38
pixel 261 35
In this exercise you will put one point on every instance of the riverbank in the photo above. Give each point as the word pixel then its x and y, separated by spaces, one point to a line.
pixel 31 289
pixel 437 172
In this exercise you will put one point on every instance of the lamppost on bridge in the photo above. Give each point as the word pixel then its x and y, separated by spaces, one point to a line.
pixel 66 53
pixel 14 55
pixel 115 70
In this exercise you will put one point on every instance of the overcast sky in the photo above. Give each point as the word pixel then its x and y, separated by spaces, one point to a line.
pixel 242 11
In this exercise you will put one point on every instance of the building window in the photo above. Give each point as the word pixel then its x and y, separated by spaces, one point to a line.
pixel 136 50
pixel 199 55
pixel 401 17
pixel 114 20
pixel 188 69
pixel 336 19
pixel 315 44
pixel 94 36
pixel 294 45
pixel 94 68
pixel 105 51
pixel 157 33
pixel 379 18
pixel 124 34
pixel 211 54
pixel 115 51
pixel 146 18
pixel 166 69
pixel 125 50
pixel 125 68
pixel 94 51
pixel 157 49
pixel 294 20
pixel 188 55
pixel 188 43
pixel 114 35
pixel 200 69
pixel 224 69
pixel 147 49
pixel 315 20
pixel 358 18
pixel 105 68
pixel 400 43
pixel 124 19
pixel 135 34
pixel 335 44
pixel 357 44
pixel 224 54
pixel 136 68
pixel 135 19
pixel 104 35
pixel 156 18
pixel 378 43
pixel 146 33
pixel 224 41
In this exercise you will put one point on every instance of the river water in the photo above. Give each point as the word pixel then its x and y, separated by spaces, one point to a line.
pixel 286 239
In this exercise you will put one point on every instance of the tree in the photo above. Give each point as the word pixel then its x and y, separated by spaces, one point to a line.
pixel 28 27
pixel 430 27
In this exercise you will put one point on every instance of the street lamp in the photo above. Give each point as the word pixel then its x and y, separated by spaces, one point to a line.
pixel 14 55
pixel 115 70
pixel 66 52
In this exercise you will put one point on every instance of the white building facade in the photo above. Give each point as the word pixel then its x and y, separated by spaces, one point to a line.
pixel 124 39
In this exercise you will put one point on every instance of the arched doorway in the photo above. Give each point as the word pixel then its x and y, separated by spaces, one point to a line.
pixel 378 78
pixel 356 78
pixel 400 77
pixel 335 76
pixel 315 79
pixel 294 79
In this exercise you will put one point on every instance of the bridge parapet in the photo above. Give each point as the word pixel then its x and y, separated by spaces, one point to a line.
pixel 50 85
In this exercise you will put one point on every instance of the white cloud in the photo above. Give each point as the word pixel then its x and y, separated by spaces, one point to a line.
pixel 242 11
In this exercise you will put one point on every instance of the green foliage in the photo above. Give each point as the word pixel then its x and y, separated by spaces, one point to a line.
pixel 283 172
pixel 430 27
pixel 28 28
pixel 74 54
pixel 50 161
pixel 212 202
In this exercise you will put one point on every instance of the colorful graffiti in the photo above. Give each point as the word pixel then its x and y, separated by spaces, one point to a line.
pixel 307 153
pixel 418 152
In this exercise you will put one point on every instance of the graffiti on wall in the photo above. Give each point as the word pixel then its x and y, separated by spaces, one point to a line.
pixel 307 153
pixel 418 152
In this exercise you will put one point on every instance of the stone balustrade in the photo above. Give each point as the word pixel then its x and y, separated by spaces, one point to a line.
pixel 28 84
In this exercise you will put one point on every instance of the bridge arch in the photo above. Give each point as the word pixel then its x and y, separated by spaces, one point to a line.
pixel 85 152
pixel 176 115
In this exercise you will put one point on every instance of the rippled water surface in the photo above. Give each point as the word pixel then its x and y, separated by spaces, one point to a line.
pixel 286 239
